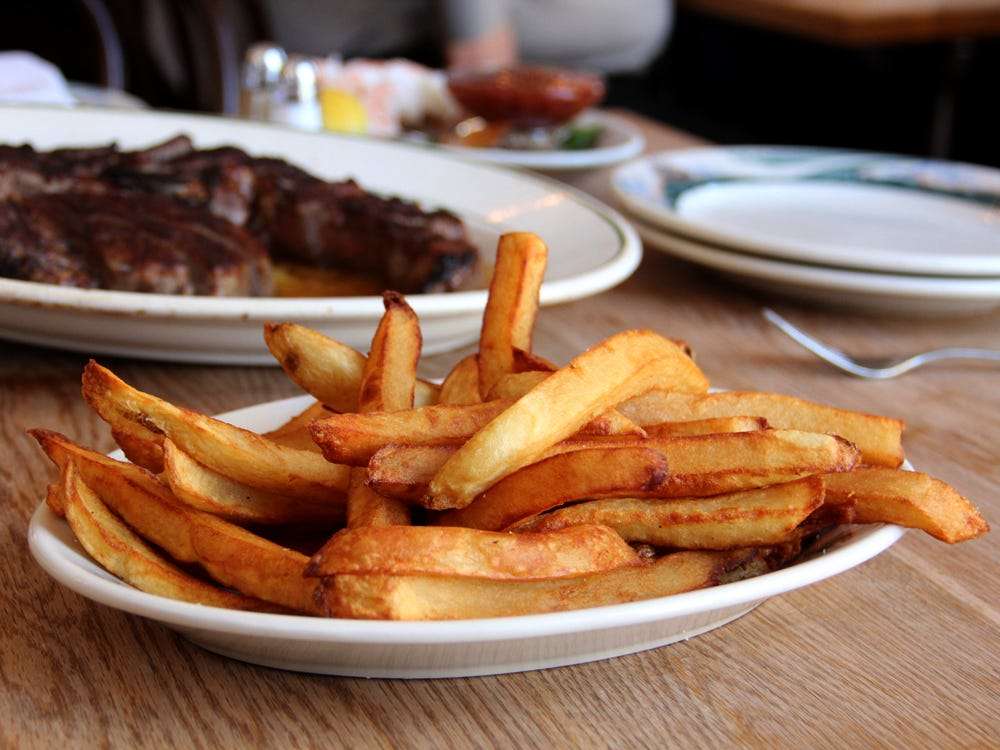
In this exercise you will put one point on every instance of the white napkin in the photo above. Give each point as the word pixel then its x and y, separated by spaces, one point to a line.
pixel 25 77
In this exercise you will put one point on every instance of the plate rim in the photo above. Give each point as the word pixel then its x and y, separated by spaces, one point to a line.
pixel 57 559
pixel 609 273
pixel 564 160
pixel 727 260
pixel 663 218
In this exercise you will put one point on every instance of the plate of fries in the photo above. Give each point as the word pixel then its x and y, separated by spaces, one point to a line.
pixel 519 515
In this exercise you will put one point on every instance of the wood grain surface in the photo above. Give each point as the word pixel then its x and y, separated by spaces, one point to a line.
pixel 863 22
pixel 901 652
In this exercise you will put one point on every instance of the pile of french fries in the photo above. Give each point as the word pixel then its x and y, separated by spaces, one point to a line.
pixel 517 486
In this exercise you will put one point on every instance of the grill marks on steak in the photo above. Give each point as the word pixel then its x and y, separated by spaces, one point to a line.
pixel 129 242
pixel 294 215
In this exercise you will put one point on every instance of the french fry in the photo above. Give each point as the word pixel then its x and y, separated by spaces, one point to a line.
pixel 354 438
pixel 325 368
pixel 751 518
pixel 132 493
pixel 618 368
pixel 878 438
pixel 525 361
pixel 910 499
pixel 471 553
pixel 203 489
pixel 599 472
pixel 422 597
pixel 236 453
pixel 387 384
pixel 123 554
pixel 229 554
pixel 710 426
pixel 509 317
pixel 252 564
pixel 700 465
pixel 295 432
pixel 139 445
pixel 461 387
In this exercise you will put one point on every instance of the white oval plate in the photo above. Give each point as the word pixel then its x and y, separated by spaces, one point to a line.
pixel 619 142
pixel 591 247
pixel 461 648
pixel 838 208
pixel 857 290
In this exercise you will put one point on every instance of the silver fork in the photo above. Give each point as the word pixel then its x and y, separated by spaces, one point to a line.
pixel 878 368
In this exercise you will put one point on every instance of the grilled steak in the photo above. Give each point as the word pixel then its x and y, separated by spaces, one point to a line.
pixel 131 242
pixel 294 215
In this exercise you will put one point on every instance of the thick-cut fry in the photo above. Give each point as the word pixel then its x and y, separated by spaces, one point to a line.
pixel 878 438
pixel 132 492
pixel 230 555
pixel 741 519
pixel 509 317
pixel 325 368
pixel 139 445
pixel 452 598
pixel 700 466
pixel 123 554
pixel 515 385
pixel 387 385
pixel 236 453
pixel 907 498
pixel 618 368
pixel 599 472
pixel 252 564
pixel 711 426
pixel 291 432
pixel 525 361
pixel 461 387
pixel 354 438
pixel 452 551
pixel 207 490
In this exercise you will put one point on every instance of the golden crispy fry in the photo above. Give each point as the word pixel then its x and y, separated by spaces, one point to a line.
pixel 230 555
pixel 203 489
pixel 327 369
pixel 387 384
pixel 599 472
pixel 509 318
pixel 515 385
pixel 123 554
pixel 741 519
pixel 236 453
pixel 706 426
pixel 878 438
pixel 132 492
pixel 354 438
pixel 139 445
pixel 295 432
pixel 618 368
pixel 461 387
pixel 525 361
pixel 421 597
pixel 252 564
pixel 452 551
pixel 907 498
pixel 700 466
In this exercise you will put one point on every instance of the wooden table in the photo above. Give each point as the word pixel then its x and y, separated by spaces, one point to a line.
pixel 902 651
pixel 863 22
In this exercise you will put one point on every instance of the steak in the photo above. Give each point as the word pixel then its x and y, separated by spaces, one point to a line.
pixel 293 214
pixel 130 242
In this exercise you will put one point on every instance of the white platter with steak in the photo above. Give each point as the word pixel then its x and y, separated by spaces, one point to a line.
pixel 180 252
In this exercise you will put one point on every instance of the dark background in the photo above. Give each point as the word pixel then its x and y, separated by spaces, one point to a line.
pixel 727 81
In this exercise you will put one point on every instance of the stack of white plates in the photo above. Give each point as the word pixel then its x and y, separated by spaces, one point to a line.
pixel 860 230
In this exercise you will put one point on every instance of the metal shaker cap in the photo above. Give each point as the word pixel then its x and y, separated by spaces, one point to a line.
pixel 262 65
pixel 300 79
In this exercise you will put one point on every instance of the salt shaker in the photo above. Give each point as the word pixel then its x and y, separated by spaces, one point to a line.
pixel 297 102
pixel 262 66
